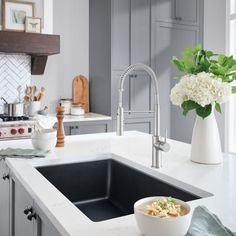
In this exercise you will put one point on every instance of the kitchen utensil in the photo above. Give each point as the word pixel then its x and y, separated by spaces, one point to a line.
pixel 26 98
pixel 28 92
pixel 34 90
pixel 81 92
pixel 150 225
pixel 41 94
pixel 77 110
pixel 44 111
pixel 13 109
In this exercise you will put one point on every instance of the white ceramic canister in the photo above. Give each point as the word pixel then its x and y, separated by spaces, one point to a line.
pixel 77 110
pixel 66 103
pixel 34 108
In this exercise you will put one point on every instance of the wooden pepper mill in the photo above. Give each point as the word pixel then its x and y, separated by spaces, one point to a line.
pixel 60 127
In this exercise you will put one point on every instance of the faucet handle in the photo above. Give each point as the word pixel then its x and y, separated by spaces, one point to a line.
pixel 165 147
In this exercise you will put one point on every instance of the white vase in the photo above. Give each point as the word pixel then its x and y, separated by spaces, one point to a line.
pixel 206 145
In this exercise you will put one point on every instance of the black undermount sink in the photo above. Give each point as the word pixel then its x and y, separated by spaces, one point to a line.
pixel 107 189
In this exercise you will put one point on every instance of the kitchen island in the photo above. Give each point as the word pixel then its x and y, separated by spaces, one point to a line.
pixel 135 147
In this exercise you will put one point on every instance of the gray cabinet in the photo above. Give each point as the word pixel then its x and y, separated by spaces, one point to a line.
pixel 22 200
pixel 123 32
pixel 4 200
pixel 44 226
pixel 88 127
pixel 130 33
pixel 171 39
pixel 125 39
pixel 23 222
pixel 120 33
pixel 178 11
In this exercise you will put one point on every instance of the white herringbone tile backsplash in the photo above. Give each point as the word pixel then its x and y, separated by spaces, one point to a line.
pixel 15 72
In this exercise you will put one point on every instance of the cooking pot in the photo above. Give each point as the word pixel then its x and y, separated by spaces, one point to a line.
pixel 13 109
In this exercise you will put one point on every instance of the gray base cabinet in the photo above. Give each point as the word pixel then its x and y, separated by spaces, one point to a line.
pixel 14 200
pixel 4 200
pixel 88 127
pixel 144 125
pixel 22 200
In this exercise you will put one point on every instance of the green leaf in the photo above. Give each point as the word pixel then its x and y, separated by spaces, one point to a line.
pixel 188 106
pixel 222 59
pixel 204 111
pixel 178 63
pixel 233 89
pixel 218 107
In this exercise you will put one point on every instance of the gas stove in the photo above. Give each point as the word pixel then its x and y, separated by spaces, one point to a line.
pixel 16 127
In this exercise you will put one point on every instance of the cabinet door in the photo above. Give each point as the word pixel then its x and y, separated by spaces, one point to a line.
pixel 142 94
pixel 22 200
pixel 44 227
pixel 120 34
pixel 91 127
pixel 74 129
pixel 4 200
pixel 140 31
pixel 170 40
pixel 163 10
pixel 187 11
pixel 177 11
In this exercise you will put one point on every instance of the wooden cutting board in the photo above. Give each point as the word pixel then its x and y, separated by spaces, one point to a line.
pixel 81 92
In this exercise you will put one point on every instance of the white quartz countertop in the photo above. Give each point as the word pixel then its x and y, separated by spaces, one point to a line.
pixel 86 117
pixel 136 147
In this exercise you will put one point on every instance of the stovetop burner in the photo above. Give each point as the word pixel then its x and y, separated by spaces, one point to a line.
pixel 6 118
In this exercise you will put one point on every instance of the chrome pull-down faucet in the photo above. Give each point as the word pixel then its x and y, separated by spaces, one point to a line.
pixel 159 143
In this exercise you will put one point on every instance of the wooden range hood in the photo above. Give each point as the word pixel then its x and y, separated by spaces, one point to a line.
pixel 38 46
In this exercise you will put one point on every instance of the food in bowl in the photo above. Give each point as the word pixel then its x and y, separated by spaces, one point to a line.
pixel 162 216
pixel 164 207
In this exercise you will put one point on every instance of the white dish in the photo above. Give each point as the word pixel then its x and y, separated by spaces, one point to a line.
pixel 156 226
pixel 45 140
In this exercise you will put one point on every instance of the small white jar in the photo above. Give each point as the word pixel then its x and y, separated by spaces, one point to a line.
pixel 66 103
pixel 77 110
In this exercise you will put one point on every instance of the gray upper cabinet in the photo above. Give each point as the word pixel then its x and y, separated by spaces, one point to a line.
pixel 123 32
pixel 130 33
pixel 177 11
pixel 120 34
pixel 140 31
pixel 171 39
pixel 4 200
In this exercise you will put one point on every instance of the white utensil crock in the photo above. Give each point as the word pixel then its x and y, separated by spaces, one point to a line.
pixel 34 107
pixel 206 145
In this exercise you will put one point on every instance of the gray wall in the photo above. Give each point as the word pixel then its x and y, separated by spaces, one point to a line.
pixel 70 20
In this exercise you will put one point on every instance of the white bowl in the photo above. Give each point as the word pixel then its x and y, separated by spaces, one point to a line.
pixel 155 226
pixel 44 140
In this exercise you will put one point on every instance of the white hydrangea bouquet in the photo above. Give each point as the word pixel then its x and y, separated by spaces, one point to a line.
pixel 205 84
